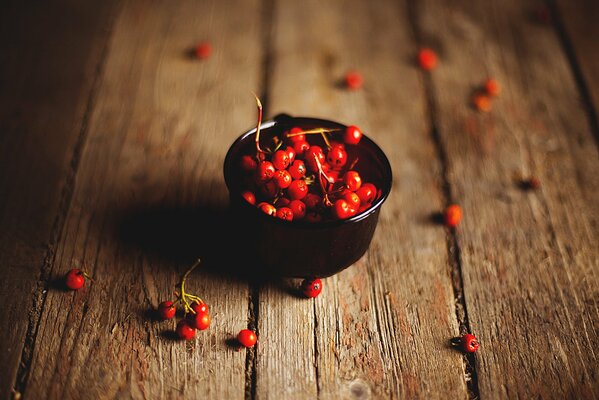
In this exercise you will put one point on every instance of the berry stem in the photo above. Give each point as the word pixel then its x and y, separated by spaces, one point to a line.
pixel 315 131
pixel 322 174
pixel 184 296
pixel 259 105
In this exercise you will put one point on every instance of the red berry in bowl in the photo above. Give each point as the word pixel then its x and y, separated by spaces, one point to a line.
pixel 282 179
pixel 297 190
pixel 469 343
pixel 285 213
pixel 185 330
pixel 166 310
pixel 298 208
pixel 311 287
pixel 352 135
pixel 280 159
pixel 265 171
pixel 248 163
pixel 269 189
pixel 300 147
pixel 291 153
pixel 312 201
pixel 342 209
pixel 353 80
pixel 297 169
pixel 283 202
pixel 249 197
pixel 366 193
pixel 337 156
pixel 352 180
pixel 295 135
pixel 453 215
pixel 75 279
pixel 200 320
pixel 313 216
pixel 247 338
pixel 353 200
pixel 267 209
pixel 311 155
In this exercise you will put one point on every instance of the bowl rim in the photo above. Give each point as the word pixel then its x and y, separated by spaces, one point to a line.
pixel 285 118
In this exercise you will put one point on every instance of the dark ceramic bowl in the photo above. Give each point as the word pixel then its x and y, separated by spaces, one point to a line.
pixel 298 248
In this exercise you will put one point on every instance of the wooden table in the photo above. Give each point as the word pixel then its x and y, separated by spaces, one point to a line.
pixel 112 140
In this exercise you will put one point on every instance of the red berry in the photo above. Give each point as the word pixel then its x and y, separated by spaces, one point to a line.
pixel 200 320
pixel 75 279
pixel 280 159
pixel 312 201
pixel 453 215
pixel 199 307
pixel 469 343
pixel 492 87
pixel 366 193
pixel 249 197
pixel 311 154
pixel 185 330
pixel 300 147
pixel 298 208
pixel 296 137
pixel 352 135
pixel 311 287
pixel 283 202
pixel 313 216
pixel 342 209
pixel 282 179
pixel 166 309
pixel 532 183
pixel 352 180
pixel 269 189
pixel 353 80
pixel 337 156
pixel 285 213
pixel 297 190
pixel 352 199
pixel 267 209
pixel 297 169
pixel 248 163
pixel 427 59
pixel 481 102
pixel 247 338
pixel 203 50
pixel 265 171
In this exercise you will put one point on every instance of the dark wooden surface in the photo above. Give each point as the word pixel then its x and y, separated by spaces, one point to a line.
pixel 112 140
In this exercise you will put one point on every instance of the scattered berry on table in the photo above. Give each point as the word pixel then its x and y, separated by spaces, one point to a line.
pixel 532 183
pixel 481 102
pixel 199 307
pixel 492 87
pixel 185 330
pixel 75 279
pixel 427 59
pixel 311 287
pixel 167 310
pixel 452 215
pixel 247 338
pixel 203 50
pixel 353 80
pixel 469 343
pixel 200 320
pixel 352 135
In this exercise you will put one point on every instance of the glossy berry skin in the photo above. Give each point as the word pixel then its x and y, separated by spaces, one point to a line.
pixel 469 343
pixel 166 310
pixel 200 320
pixel 427 59
pixel 452 215
pixel 352 199
pixel 285 213
pixel 337 156
pixel 199 307
pixel 342 210
pixel 352 135
pixel 295 135
pixel 267 209
pixel 75 279
pixel 311 287
pixel 297 169
pixel 366 193
pixel 248 163
pixel 282 179
pixel 265 171
pixel 185 330
pixel 203 50
pixel 492 87
pixel 352 180
pixel 298 208
pixel 247 338
pixel 312 201
pixel 353 80
pixel 297 190
pixel 249 197
pixel 311 155
pixel 280 159
pixel 300 147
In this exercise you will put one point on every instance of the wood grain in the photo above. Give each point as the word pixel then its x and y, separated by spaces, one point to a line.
pixel 148 200
pixel 50 56
pixel 381 328
pixel 529 259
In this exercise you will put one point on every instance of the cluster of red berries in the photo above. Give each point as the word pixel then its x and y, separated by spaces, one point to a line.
pixel 301 180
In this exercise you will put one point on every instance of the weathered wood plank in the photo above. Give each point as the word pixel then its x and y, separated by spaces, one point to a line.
pixel 529 259
pixel 380 328
pixel 148 200
pixel 50 55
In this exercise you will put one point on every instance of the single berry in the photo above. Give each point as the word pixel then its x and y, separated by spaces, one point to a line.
pixel 297 190
pixel 469 343
pixel 248 163
pixel 267 209
pixel 247 338
pixel 311 287
pixel 311 155
pixel 300 147
pixel 75 279
pixel 342 209
pixel 185 330
pixel 353 80
pixel 481 102
pixel 453 215
pixel 312 201
pixel 297 169
pixel 199 307
pixel 280 159
pixel 352 135
pixel 203 50
pixel 427 59
pixel 283 202
pixel 352 180
pixel 291 153
pixel 492 87
pixel 366 193
pixel 532 183
pixel 285 213
pixel 298 208
pixel 295 135
pixel 249 197
pixel 313 217
pixel 282 179
pixel 337 156
pixel 352 199
pixel 265 171
pixel 167 310
pixel 269 189
pixel 200 320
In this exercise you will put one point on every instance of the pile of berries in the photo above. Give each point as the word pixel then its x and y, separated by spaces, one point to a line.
pixel 306 175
